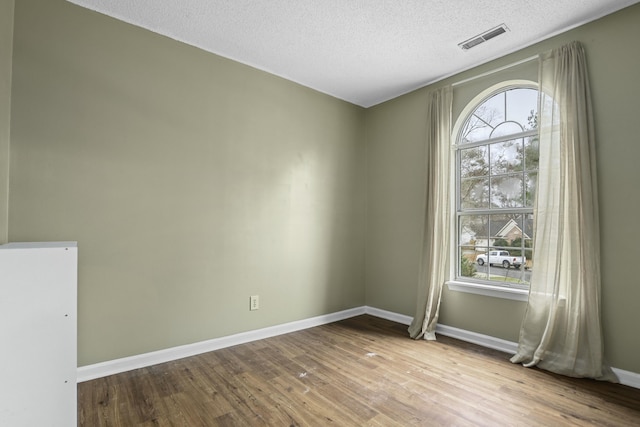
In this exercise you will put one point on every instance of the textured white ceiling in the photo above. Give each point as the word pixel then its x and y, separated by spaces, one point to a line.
pixel 362 51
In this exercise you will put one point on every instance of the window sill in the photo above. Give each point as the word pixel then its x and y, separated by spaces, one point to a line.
pixel 488 290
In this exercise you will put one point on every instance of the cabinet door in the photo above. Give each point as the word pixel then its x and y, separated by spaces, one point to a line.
pixel 38 333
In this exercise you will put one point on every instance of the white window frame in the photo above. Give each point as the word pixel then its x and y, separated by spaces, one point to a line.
pixel 456 283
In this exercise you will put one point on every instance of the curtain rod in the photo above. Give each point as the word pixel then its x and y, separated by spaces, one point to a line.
pixel 496 70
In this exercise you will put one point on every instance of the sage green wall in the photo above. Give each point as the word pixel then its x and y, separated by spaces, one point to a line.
pixel 395 133
pixel 190 182
pixel 6 46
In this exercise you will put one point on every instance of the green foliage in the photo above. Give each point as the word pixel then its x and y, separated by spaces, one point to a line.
pixel 501 243
pixel 467 267
pixel 517 243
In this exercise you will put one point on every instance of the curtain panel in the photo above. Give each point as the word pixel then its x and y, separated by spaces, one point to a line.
pixel 561 330
pixel 436 229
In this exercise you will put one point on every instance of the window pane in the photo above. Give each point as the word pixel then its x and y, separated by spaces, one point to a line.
pixel 531 153
pixel 530 181
pixel 509 232
pixel 474 162
pixel 504 265
pixel 467 266
pixel 522 107
pixel 499 227
pixel 505 228
pixel 473 235
pixel 506 157
pixel 474 193
pixel 482 269
pixel 476 129
pixel 506 128
pixel 493 109
pixel 484 119
pixel 507 191
pixel 474 231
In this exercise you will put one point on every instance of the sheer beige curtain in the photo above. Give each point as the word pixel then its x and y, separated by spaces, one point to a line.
pixel 435 246
pixel 561 330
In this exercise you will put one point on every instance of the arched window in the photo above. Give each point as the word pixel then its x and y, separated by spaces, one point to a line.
pixel 496 173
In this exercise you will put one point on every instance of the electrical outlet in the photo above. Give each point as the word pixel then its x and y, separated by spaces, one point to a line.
pixel 254 302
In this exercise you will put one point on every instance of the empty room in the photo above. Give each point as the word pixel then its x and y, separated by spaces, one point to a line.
pixel 317 213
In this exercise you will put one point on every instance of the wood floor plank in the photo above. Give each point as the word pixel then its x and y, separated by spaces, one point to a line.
pixel 363 371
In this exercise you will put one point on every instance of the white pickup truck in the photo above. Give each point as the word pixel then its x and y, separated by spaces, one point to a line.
pixel 501 257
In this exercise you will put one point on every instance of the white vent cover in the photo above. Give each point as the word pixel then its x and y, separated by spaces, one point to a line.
pixel 481 38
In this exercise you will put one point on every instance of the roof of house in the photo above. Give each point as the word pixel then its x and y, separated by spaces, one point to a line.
pixel 501 229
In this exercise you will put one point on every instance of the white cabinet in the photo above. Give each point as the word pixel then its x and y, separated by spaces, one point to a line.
pixel 38 334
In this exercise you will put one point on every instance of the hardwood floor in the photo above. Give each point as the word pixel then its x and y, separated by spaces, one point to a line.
pixel 363 371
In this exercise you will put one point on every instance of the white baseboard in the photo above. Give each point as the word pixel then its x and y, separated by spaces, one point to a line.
pixel 632 379
pixel 111 367
pixel 388 315
pixel 479 339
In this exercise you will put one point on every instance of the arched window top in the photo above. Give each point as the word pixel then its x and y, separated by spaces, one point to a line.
pixel 510 111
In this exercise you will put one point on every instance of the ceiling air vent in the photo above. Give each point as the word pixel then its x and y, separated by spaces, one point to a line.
pixel 481 38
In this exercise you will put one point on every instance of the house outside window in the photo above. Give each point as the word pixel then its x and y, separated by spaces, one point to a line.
pixel 496 174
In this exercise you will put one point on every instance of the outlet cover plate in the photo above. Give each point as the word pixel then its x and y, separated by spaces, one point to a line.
pixel 254 302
